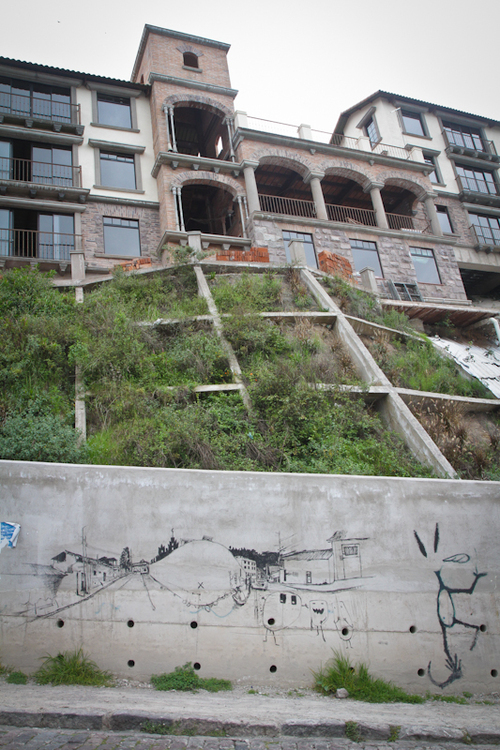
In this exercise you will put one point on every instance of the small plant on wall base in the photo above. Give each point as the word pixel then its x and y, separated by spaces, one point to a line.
pixel 71 668
pixel 185 678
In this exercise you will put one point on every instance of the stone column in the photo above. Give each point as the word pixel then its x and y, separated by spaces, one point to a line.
pixel 378 205
pixel 314 180
pixel 239 198
pixel 172 128
pixel 169 141
pixel 249 168
pixel 432 214
pixel 179 214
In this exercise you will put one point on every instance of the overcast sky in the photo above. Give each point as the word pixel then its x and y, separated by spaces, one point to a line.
pixel 292 60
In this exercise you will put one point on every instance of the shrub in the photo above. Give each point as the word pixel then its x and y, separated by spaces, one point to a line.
pixel 185 678
pixel 17 678
pixel 71 668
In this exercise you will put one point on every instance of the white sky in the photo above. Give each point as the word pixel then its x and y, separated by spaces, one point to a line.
pixel 292 60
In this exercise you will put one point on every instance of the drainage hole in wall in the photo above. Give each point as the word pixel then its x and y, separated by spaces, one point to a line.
pixel 130 623
pixel 413 629
pixel 421 672
pixel 273 668
pixel 482 628
pixel 197 665
pixel 271 621
pixel 494 673
pixel 60 623
pixel 131 663
pixel 345 631
pixel 194 624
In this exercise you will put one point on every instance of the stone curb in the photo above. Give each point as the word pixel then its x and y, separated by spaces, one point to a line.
pixel 120 721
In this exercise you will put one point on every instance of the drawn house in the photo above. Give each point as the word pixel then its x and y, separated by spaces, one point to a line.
pixel 339 562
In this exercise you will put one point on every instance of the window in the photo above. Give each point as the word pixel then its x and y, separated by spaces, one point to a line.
pixel 25 99
pixel 425 265
pixel 5 231
pixel 5 160
pixel 114 111
pixel 121 236
pixel 412 123
pixel 371 131
pixel 444 220
pixel 309 250
pixel 476 180
pixel 487 229
pixel 52 166
pixel 56 236
pixel 365 255
pixel 190 60
pixel 431 160
pixel 117 170
pixel 464 136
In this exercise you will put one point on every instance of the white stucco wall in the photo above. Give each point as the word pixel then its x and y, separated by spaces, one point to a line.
pixel 389 609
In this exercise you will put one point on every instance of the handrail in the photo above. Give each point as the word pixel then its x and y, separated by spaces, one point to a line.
pixel 384 149
pixel 276 204
pixel 468 142
pixel 351 215
pixel 30 105
pixel 398 221
pixel 41 173
pixel 31 243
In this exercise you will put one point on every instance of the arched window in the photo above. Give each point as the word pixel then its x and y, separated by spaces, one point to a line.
pixel 190 60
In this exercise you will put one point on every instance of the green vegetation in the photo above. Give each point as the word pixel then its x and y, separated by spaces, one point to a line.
pixel 185 678
pixel 339 673
pixel 17 678
pixel 252 293
pixel 352 731
pixel 71 668
pixel 394 731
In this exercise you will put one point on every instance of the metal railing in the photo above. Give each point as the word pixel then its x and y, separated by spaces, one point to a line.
pixel 469 142
pixel 288 206
pixel 397 221
pixel 42 173
pixel 30 243
pixel 383 149
pixel 39 108
pixel 343 141
pixel 350 215
pixel 477 185
pixel 273 126
pixel 486 235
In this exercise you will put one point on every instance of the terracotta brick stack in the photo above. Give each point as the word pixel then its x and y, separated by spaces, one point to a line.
pixel 254 255
pixel 135 264
pixel 335 265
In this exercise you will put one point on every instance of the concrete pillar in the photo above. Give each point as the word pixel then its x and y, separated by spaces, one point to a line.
pixel 297 252
pixel 172 128
pixel 432 214
pixel 194 241
pixel 314 179
pixel 179 213
pixel 416 154
pixel 305 132
pixel 364 143
pixel 77 265
pixel 169 140
pixel 368 280
pixel 249 168
pixel 240 119
pixel 378 205
pixel 239 198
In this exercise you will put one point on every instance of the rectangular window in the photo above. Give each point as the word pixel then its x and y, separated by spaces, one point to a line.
pixel 114 111
pixel 371 131
pixel 444 220
pixel 56 236
pixel 365 255
pixel 425 265
pixel 52 166
pixel 476 180
pixel 487 229
pixel 23 99
pixel 412 123
pixel 431 160
pixel 117 170
pixel 5 160
pixel 6 238
pixel 464 136
pixel 121 236
pixel 309 250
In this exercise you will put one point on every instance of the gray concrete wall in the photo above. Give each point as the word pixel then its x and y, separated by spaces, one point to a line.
pixel 399 573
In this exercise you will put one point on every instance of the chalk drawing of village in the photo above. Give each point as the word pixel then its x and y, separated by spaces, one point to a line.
pixel 282 588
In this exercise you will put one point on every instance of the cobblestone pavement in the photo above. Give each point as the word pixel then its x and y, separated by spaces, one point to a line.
pixel 18 738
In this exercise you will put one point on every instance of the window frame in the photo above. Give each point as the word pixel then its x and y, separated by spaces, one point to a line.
pixel 443 211
pixel 364 124
pixel 428 155
pixel 119 149
pixel 114 91
pixel 495 240
pixel 425 252
pixel 411 114
pixel 299 236
pixel 460 128
pixel 476 171
pixel 116 221
pixel 371 249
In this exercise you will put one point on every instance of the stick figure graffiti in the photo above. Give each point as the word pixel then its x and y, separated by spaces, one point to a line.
pixel 446 610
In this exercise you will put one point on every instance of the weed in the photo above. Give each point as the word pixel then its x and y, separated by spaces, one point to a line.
pixel 466 694
pixel 466 738
pixel 71 668
pixel 352 731
pixel 394 731
pixel 339 673
pixel 450 699
pixel 247 293
pixel 17 678
pixel 178 728
pixel 252 692
pixel 185 678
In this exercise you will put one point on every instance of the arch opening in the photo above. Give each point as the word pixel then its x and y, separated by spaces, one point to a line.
pixel 399 206
pixel 201 132
pixel 283 191
pixel 210 209
pixel 346 202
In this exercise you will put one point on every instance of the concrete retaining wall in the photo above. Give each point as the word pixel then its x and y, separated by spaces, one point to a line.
pixel 135 565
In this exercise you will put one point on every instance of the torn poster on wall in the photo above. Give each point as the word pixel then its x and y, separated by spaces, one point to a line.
pixel 8 534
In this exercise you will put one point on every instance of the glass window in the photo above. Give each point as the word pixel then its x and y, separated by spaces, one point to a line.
pixel 5 160
pixel 444 220
pixel 190 60
pixel 477 180
pixel 365 255
pixel 371 130
pixel 487 229
pixel 56 236
pixel 309 250
pixel 117 170
pixel 121 236
pixel 5 231
pixel 412 123
pixel 114 111
pixel 425 265
pixel 462 135
pixel 431 160
pixel 43 102
pixel 52 166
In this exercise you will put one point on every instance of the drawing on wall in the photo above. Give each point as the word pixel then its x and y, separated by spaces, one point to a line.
pixel 8 534
pixel 447 607
pixel 280 589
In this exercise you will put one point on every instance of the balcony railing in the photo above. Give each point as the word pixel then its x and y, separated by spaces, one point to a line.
pixel 42 173
pixel 477 185
pixel 397 221
pixel 33 244
pixel 349 215
pixel 275 204
pixel 39 108
pixel 467 142
pixel 343 141
pixel 383 149
pixel 486 236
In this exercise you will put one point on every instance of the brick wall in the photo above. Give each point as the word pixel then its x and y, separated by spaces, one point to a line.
pixel 254 255
pixel 335 265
